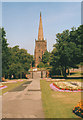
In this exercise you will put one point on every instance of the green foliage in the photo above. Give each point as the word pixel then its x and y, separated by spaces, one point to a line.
pixel 33 63
pixel 67 50
pixel 41 65
pixel 16 69
pixel 45 60
pixel 15 61
pixel 20 62
pixel 0 53
pixel 46 57
pixel 47 65
pixel 5 52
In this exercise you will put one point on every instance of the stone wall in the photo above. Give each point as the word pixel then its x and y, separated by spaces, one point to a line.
pixel 40 48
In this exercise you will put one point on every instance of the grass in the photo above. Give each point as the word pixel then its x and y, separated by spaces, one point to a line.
pixel 75 74
pixel 11 86
pixel 58 104
pixel 74 80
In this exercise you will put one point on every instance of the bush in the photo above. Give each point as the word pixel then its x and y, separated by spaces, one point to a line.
pixel 54 71
pixel 41 65
pixel 46 65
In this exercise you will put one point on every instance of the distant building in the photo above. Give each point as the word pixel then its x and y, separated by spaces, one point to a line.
pixel 40 44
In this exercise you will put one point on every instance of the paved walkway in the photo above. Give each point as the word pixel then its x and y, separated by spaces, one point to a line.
pixel 24 104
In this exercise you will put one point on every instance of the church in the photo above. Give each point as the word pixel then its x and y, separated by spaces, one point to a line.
pixel 40 44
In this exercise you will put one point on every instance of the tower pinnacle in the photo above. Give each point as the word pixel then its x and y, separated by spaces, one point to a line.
pixel 40 13
pixel 40 32
pixel 40 44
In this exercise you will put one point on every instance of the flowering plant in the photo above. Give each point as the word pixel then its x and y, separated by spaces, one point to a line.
pixel 2 87
pixel 65 86
pixel 78 110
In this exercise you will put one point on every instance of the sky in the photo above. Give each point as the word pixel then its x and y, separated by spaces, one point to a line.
pixel 21 21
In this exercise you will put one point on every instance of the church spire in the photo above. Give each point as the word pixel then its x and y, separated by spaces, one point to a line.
pixel 40 32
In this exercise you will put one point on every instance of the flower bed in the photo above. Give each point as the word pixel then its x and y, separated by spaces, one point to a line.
pixel 2 87
pixel 78 110
pixel 13 81
pixel 66 87
pixel 20 80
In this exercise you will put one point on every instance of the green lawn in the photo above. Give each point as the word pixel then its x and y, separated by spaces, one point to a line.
pixel 58 104
pixel 75 74
pixel 10 86
pixel 74 80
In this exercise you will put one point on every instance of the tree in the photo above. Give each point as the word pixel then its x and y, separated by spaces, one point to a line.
pixel 5 53
pixel 16 70
pixel 66 52
pixel 0 54
pixel 46 57
pixel 76 36
pixel 41 65
pixel 20 62
pixel 15 61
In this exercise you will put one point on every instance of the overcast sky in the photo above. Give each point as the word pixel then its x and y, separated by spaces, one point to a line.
pixel 21 21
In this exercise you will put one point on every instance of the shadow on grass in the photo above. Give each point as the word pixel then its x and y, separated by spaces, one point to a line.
pixel 21 87
pixel 73 73
pixel 53 77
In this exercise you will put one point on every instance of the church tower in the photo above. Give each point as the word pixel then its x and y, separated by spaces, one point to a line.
pixel 40 44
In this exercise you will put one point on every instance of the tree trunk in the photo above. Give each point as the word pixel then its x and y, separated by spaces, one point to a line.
pixel 64 72
pixel 65 75
pixel 8 76
pixel 20 75
pixel 68 72
pixel 41 74
pixel 61 72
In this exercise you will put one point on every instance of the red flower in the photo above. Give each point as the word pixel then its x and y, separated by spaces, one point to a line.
pixel 2 86
pixel 63 89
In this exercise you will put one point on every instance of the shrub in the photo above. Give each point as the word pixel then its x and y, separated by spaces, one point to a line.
pixel 41 65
